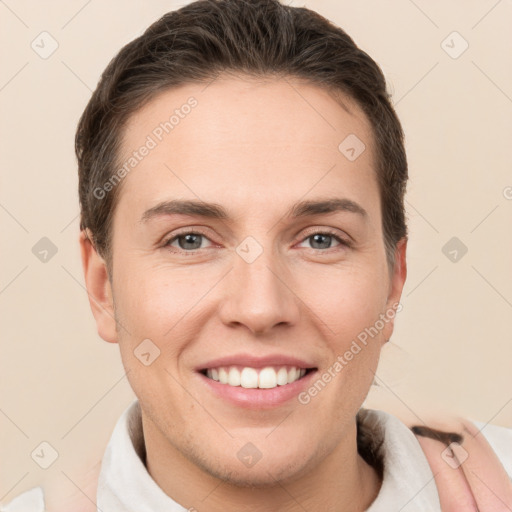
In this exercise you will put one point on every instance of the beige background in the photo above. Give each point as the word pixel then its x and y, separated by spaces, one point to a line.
pixel 452 348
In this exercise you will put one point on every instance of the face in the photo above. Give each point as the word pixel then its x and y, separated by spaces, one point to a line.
pixel 244 239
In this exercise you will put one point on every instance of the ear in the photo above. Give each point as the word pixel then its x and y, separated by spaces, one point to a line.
pixel 396 285
pixel 98 288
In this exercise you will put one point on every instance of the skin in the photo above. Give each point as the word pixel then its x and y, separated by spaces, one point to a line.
pixel 255 148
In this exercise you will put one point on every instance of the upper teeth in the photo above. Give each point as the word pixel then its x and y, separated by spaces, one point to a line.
pixel 248 377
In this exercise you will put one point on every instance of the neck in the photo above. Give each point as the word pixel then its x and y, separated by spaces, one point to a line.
pixel 340 481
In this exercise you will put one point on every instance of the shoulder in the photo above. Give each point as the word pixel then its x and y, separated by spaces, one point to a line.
pixel 484 439
pixel 500 440
pixel 466 464
pixel 83 499
pixel 29 501
pixel 471 461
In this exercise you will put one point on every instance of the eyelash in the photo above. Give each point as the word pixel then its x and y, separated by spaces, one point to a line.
pixel 343 242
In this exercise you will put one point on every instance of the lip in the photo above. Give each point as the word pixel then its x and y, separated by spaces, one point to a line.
pixel 256 361
pixel 255 398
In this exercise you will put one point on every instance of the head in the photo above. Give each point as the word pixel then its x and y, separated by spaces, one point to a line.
pixel 241 179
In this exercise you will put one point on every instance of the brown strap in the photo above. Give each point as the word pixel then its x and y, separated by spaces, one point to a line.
pixel 468 474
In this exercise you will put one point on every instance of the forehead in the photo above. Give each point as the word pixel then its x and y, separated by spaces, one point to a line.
pixel 247 140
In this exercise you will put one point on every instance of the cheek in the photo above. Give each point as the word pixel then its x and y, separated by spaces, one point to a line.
pixel 160 305
pixel 152 300
pixel 347 309
pixel 346 303
pixel 347 316
pixel 153 314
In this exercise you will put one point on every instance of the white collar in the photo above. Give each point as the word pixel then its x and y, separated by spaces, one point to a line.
pixel 408 483
pixel 126 486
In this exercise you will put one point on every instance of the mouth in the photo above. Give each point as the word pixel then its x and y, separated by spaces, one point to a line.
pixel 267 377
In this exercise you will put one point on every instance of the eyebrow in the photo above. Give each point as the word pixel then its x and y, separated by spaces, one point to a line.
pixel 215 211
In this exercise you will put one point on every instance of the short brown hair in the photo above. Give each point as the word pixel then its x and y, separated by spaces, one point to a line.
pixel 259 38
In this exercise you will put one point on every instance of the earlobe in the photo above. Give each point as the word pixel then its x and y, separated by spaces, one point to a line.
pixel 98 287
pixel 396 286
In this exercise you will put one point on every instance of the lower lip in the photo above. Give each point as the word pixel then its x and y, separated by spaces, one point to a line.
pixel 256 398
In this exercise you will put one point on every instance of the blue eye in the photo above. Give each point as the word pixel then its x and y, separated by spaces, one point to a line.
pixel 187 242
pixel 323 240
pixel 191 241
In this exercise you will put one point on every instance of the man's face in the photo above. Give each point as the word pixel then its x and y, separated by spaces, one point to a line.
pixel 259 283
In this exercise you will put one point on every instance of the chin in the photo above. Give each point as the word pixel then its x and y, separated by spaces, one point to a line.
pixel 264 477
pixel 264 473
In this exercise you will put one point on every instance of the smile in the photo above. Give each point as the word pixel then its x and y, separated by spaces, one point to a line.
pixel 263 378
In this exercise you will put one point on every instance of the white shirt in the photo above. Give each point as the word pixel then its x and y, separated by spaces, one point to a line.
pixel 408 485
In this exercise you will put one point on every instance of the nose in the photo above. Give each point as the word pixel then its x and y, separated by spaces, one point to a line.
pixel 257 296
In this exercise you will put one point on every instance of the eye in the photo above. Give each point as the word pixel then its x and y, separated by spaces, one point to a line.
pixel 321 240
pixel 189 241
